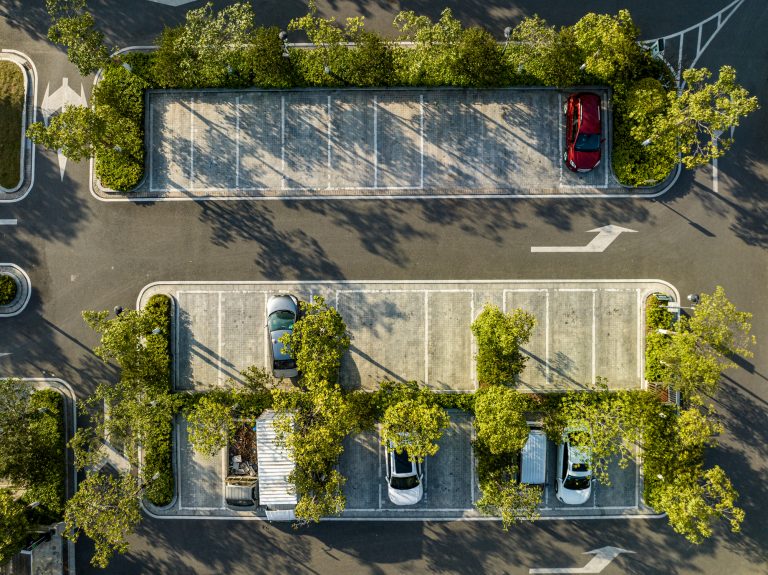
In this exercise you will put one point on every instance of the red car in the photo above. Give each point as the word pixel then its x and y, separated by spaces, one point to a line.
pixel 583 132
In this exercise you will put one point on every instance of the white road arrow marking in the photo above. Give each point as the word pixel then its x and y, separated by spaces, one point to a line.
pixel 4 354
pixel 62 97
pixel 602 558
pixel 52 103
pixel 603 239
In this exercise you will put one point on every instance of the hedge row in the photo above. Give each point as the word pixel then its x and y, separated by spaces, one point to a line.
pixel 47 477
pixel 657 316
pixel 470 58
pixel 158 448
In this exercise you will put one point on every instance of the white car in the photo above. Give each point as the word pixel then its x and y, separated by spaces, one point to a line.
pixel 282 312
pixel 404 478
pixel 574 476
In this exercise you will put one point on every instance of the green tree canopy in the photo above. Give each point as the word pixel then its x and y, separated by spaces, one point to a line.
pixel 318 342
pixel 548 55
pixel 609 45
pixel 499 338
pixel 106 510
pixel 694 503
pixel 13 526
pixel 414 425
pixel 211 422
pixel 75 29
pixel 700 114
pixel 500 419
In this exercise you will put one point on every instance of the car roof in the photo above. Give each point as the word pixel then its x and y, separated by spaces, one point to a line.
pixel 590 113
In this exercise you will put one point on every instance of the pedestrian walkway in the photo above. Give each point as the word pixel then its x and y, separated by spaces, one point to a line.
pixel 354 143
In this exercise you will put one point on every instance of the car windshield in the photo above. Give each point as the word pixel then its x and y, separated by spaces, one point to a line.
pixel 281 320
pixel 284 364
pixel 405 482
pixel 587 143
pixel 580 467
pixel 576 483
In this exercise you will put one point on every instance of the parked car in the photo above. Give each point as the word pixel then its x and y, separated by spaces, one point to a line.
pixel 282 312
pixel 404 478
pixel 574 476
pixel 583 132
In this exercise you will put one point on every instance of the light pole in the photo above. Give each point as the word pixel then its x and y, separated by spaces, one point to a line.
pixel 283 35
pixel 507 35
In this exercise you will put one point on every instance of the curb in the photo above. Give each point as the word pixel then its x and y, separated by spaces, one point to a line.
pixel 23 293
pixel 27 161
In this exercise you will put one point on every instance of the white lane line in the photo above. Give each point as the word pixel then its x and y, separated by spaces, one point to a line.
pixel 9 222
pixel 191 142
pixel 328 187
pixel 421 128
pixel 594 335
pixel 237 142
pixel 375 142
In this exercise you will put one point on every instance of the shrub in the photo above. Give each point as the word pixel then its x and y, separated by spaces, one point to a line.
pixel 657 314
pixel 121 90
pixel 478 60
pixel 265 65
pixel 499 337
pixel 8 289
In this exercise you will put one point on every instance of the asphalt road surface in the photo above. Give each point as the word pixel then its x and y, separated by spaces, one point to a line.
pixel 84 254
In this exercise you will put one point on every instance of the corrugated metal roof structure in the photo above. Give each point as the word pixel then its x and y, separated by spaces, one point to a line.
pixel 274 464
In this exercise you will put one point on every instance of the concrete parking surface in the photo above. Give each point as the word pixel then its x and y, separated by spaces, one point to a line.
pixel 397 142
pixel 420 330
pixel 450 482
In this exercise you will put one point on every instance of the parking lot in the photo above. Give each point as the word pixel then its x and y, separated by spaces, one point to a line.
pixel 420 330
pixel 357 143
pixel 450 482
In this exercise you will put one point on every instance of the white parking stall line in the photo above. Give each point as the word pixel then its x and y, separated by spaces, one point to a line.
pixel 472 437
pixel 559 155
pixel 282 142
pixel 381 460
pixel 426 491
pixel 178 450
pixel 639 314
pixel 237 142
pixel 191 142
pixel 152 150
pixel 219 370
pixel 375 141
pixel 473 343
pixel 426 337
pixel 637 477
pixel 607 142
pixel 594 335
pixel 223 478
pixel 421 128
pixel 328 187
pixel 267 342
pixel 9 222
pixel 547 376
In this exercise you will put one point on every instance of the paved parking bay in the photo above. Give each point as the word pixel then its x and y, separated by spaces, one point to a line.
pixel 420 330
pixel 450 482
pixel 397 142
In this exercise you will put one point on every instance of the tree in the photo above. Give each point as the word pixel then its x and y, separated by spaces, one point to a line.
pixel 697 351
pixel 431 60
pixel 105 509
pixel 318 342
pixel 609 45
pixel 196 54
pixel 211 422
pixel 478 59
pixel 499 337
pixel 16 458
pixel 693 505
pixel 696 118
pixel 549 56
pixel 312 426
pixel 414 426
pixel 75 29
pixel 77 132
pixel 13 526
pixel 500 420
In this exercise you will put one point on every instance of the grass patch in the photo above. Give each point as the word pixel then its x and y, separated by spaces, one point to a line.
pixel 11 109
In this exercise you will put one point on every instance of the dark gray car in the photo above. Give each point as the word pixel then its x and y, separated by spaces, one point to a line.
pixel 282 312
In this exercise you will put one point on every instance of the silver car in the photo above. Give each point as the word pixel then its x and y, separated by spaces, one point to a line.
pixel 282 312
pixel 404 478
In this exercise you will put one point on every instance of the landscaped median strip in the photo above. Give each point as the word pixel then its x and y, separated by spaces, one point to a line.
pixel 648 127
